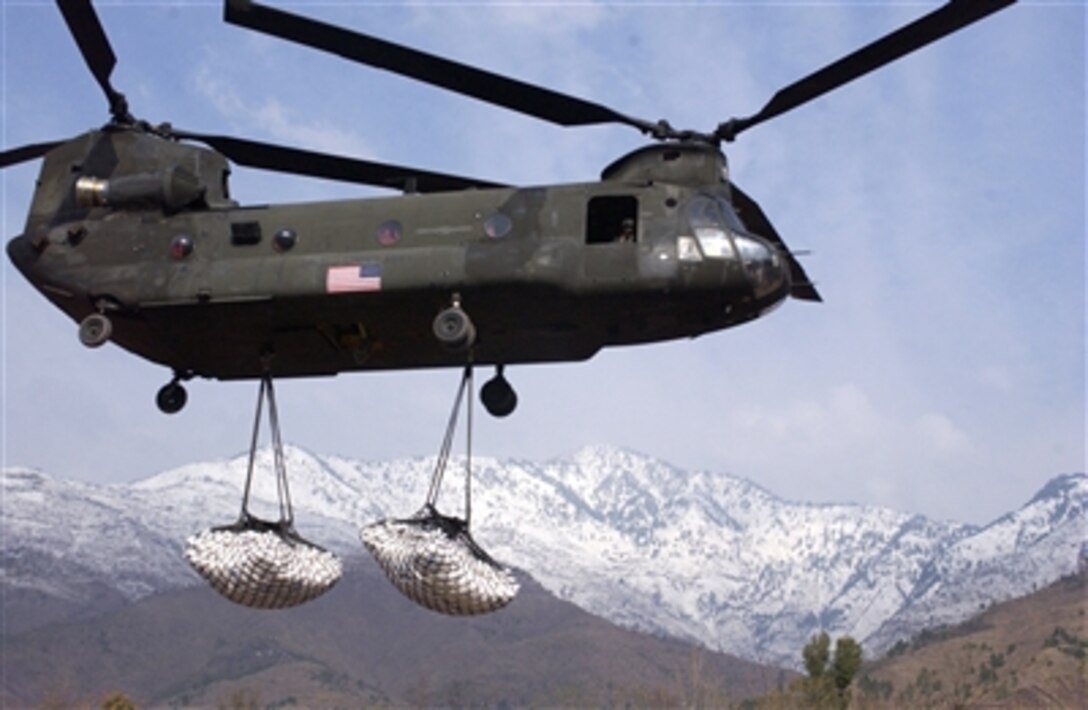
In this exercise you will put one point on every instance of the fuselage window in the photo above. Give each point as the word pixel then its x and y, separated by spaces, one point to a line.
pixel 388 233
pixel 498 225
pixel 612 219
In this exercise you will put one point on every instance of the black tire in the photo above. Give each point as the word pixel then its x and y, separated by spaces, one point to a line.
pixel 498 397
pixel 95 330
pixel 171 398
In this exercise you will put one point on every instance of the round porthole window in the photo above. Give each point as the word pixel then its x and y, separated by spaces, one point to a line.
pixel 389 233
pixel 181 246
pixel 284 239
pixel 497 225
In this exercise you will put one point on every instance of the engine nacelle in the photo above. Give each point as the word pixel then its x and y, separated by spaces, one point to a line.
pixel 171 189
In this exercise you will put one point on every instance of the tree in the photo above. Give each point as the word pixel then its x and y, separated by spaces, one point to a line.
pixel 829 676
pixel 846 663
pixel 816 691
pixel 816 653
pixel 117 701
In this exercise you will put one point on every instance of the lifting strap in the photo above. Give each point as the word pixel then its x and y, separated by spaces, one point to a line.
pixel 447 444
pixel 282 492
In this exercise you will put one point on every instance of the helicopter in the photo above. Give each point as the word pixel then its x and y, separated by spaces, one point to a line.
pixel 133 233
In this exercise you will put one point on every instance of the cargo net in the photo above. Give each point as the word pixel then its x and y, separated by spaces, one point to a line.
pixel 259 563
pixel 431 558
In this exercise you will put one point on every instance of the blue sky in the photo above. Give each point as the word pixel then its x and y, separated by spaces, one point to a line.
pixel 943 199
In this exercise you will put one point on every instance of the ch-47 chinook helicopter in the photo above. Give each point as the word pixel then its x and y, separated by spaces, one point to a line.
pixel 132 233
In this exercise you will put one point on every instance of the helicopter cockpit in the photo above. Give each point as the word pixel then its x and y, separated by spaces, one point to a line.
pixel 718 233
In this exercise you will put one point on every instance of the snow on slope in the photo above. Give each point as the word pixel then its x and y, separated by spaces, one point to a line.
pixel 700 555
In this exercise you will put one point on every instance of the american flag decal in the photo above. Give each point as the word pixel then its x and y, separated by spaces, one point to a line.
pixel 356 278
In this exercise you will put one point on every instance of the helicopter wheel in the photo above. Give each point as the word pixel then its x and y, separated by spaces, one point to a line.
pixel 498 397
pixel 454 329
pixel 171 398
pixel 95 330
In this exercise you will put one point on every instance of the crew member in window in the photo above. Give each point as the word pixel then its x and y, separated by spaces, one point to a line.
pixel 627 231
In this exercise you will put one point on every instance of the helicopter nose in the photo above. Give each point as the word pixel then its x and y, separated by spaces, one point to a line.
pixel 21 254
pixel 765 267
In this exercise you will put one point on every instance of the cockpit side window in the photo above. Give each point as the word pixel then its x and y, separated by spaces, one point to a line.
pixel 709 226
pixel 730 216
pixel 703 212
pixel 612 218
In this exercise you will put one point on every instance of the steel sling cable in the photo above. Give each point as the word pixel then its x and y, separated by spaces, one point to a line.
pixel 287 514
pixel 432 558
pixel 283 493
pixel 253 449
pixel 447 441
pixel 261 563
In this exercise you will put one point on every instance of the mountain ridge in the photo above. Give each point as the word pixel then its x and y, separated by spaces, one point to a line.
pixel 698 555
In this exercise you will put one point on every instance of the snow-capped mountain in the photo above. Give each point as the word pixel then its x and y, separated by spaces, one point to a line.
pixel 700 555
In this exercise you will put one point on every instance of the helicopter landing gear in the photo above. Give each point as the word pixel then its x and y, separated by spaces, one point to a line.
pixel 172 396
pixel 95 330
pixel 497 396
pixel 453 327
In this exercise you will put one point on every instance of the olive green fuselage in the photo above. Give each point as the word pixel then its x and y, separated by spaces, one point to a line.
pixel 141 228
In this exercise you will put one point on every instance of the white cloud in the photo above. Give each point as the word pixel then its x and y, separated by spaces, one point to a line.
pixel 841 440
pixel 940 436
pixel 551 16
pixel 269 115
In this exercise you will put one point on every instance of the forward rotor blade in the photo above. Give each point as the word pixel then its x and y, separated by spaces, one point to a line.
pixel 83 23
pixel 953 16
pixel 26 152
pixel 754 218
pixel 509 93
pixel 333 167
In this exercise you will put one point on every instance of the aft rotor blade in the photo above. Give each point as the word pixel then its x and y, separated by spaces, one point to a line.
pixel 953 16
pixel 333 167
pixel 26 152
pixel 483 85
pixel 754 218
pixel 83 23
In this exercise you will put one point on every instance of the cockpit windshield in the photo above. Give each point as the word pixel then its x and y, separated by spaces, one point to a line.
pixel 710 228
pixel 730 215
pixel 713 221
pixel 721 235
